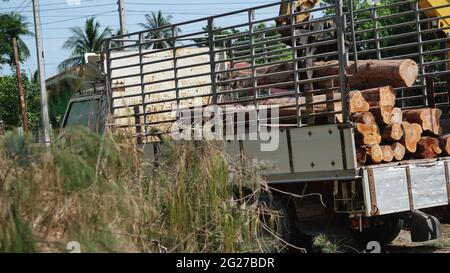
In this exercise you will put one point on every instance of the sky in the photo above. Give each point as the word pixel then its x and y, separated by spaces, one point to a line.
pixel 58 16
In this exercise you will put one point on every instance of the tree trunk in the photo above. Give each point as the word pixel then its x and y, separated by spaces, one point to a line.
pixel 398 150
pixel 392 132
pixel 362 101
pixel 428 147
pixel 412 134
pixel 428 118
pixel 444 144
pixel 364 118
pixel 22 104
pixel 369 154
pixel 383 115
pixel 372 74
pixel 367 134
pixel 388 154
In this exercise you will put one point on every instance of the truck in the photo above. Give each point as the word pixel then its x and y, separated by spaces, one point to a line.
pixel 147 81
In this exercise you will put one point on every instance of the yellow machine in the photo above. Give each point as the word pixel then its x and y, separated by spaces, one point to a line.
pixel 300 5
pixel 441 12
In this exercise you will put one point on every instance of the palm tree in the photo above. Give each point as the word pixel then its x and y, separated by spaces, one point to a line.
pixel 155 23
pixel 13 26
pixel 84 40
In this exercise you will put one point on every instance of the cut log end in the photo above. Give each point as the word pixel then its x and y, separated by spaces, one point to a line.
pixel 368 134
pixel 428 118
pixel 398 150
pixel 392 132
pixel 370 154
pixel 412 133
pixel 444 144
pixel 428 147
pixel 388 155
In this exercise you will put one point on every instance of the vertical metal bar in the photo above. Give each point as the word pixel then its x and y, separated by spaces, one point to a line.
pixel 175 66
pixel 265 56
pixel 420 48
pixel 142 79
pixel 340 25
pixel 137 121
pixel 355 45
pixel 376 34
pixel 212 59
pixel 295 65
pixel 431 92
pixel 108 79
pixel 251 17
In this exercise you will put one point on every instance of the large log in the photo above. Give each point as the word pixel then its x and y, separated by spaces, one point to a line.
pixel 428 147
pixel 369 154
pixel 398 150
pixel 362 101
pixel 374 73
pixel 428 118
pixel 371 74
pixel 388 154
pixel 392 132
pixel 444 144
pixel 367 134
pixel 412 134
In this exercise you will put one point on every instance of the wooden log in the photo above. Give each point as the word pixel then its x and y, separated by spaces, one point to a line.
pixel 396 115
pixel 367 134
pixel 362 101
pixel 388 154
pixel 428 147
pixel 392 132
pixel 383 115
pixel 428 118
pixel 398 150
pixel 363 117
pixel 444 144
pixel 369 154
pixel 412 133
pixel 371 74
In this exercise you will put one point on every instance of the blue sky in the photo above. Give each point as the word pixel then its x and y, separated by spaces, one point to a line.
pixel 58 16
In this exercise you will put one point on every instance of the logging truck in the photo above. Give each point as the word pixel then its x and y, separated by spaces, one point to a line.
pixel 361 98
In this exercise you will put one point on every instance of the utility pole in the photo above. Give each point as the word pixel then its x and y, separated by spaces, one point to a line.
pixel 41 70
pixel 122 18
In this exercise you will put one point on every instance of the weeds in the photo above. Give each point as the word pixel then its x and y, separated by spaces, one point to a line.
pixel 102 193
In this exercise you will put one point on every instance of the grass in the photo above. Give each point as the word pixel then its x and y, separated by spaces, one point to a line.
pixel 103 193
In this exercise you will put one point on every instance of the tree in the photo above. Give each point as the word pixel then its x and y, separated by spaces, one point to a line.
pixel 84 40
pixel 9 110
pixel 157 24
pixel 14 25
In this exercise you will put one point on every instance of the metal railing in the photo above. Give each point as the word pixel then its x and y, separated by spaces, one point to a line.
pixel 255 57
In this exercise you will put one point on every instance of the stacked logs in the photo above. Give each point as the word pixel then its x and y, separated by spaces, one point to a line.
pixel 385 133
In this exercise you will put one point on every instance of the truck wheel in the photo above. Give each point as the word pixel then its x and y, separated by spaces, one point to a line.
pixel 383 234
pixel 283 227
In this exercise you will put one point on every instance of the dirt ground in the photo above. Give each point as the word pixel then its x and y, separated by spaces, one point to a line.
pixel 403 244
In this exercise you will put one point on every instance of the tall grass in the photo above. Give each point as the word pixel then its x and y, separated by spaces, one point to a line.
pixel 103 193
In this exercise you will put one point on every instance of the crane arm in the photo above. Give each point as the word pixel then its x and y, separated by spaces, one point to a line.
pixel 300 5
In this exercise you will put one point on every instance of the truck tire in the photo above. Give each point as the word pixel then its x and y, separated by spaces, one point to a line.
pixel 383 234
pixel 284 227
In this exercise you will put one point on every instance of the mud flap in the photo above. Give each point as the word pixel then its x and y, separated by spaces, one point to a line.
pixel 424 227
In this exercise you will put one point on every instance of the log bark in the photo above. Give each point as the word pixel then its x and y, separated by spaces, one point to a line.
pixel 412 133
pixel 428 118
pixel 362 101
pixel 392 132
pixel 428 147
pixel 369 154
pixel 371 74
pixel 367 134
pixel 388 154
pixel 444 144
pixel 398 150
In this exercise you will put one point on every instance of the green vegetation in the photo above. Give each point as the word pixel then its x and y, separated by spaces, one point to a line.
pixel 9 101
pixel 102 193
pixel 153 23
